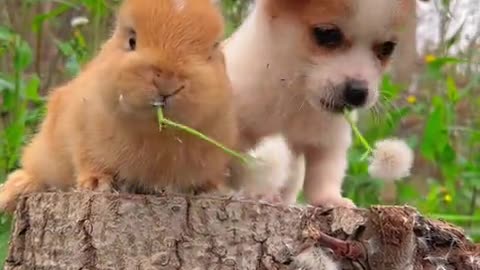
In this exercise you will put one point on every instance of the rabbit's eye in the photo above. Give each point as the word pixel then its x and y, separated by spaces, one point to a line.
pixel 132 41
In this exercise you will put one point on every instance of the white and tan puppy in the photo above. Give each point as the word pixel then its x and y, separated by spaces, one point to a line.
pixel 296 65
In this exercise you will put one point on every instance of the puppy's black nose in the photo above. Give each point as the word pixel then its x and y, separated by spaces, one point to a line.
pixel 356 93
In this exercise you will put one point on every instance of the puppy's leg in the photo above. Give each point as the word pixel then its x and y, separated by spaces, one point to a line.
pixel 295 180
pixel 325 170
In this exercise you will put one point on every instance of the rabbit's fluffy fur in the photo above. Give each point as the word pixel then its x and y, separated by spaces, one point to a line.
pixel 101 127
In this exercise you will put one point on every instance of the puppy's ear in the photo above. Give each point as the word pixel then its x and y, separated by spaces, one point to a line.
pixel 307 8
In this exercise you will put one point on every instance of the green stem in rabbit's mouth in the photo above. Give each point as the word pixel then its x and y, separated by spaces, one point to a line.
pixel 160 117
pixel 164 122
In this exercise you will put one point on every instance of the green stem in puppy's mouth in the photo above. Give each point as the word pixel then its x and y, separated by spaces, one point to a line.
pixel 358 134
pixel 164 122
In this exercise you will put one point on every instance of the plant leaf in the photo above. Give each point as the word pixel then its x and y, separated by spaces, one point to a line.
pixel 434 136
pixel 32 89
pixel 23 55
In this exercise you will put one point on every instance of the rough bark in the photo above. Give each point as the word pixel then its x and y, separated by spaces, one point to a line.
pixel 99 231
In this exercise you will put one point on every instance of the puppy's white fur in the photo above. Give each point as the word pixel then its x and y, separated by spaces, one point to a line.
pixel 279 84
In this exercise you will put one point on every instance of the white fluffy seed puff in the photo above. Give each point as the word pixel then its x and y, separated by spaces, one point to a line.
pixel 392 160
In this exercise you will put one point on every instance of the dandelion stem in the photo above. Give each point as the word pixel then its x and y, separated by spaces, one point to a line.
pixel 162 121
pixel 359 135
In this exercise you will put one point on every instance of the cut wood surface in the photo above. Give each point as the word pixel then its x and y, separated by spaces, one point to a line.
pixel 120 231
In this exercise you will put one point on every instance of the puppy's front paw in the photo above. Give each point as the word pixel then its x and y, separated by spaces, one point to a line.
pixel 98 182
pixel 333 201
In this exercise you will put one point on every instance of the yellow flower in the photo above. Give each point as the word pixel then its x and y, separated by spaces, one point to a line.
pixel 448 198
pixel 412 99
pixel 429 58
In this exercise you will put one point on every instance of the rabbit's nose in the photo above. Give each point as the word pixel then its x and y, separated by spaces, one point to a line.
pixel 167 86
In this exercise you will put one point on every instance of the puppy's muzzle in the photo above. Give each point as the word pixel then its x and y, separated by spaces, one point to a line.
pixel 355 93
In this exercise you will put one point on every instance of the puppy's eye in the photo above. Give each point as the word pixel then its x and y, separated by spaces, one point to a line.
pixel 328 36
pixel 385 50
pixel 132 41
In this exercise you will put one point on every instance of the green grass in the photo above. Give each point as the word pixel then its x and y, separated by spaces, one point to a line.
pixel 446 137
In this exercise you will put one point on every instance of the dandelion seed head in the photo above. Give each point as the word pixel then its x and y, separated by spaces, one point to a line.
pixel 392 160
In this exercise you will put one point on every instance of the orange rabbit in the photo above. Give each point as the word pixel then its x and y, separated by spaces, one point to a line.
pixel 102 125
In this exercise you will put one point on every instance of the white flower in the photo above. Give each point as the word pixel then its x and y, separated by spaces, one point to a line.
pixel 79 21
pixel 392 160
pixel 270 171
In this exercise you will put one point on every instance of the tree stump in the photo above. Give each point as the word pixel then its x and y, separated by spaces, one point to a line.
pixel 124 231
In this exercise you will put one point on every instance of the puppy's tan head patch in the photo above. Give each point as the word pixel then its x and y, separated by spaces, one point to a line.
pixel 308 11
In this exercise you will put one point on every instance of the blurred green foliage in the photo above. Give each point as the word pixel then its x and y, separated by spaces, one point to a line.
pixel 444 110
